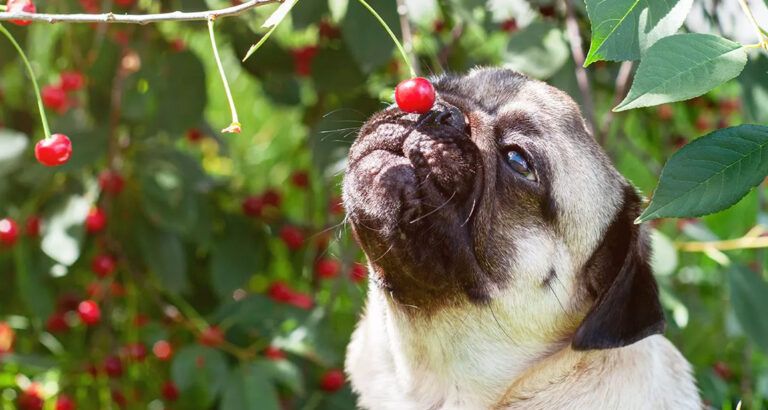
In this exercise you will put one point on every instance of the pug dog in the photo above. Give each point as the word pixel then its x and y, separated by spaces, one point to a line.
pixel 507 271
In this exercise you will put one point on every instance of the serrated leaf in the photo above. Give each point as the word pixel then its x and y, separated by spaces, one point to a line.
pixel 249 388
pixel 624 29
pixel 711 173
pixel 538 50
pixel 234 257
pixel 748 298
pixel 683 66
pixel 164 253
pixel 200 372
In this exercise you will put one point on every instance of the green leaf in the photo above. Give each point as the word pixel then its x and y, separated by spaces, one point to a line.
pixel 64 231
pixel 748 298
pixel 308 12
pixel 711 173
pixel 234 257
pixel 164 253
pixel 200 372
pixel 683 66
pixel 282 372
pixel 249 388
pixel 538 50
pixel 180 77
pixel 33 289
pixel 368 41
pixel 624 29
pixel 754 83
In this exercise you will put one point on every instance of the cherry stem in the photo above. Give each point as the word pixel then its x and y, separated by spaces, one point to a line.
pixel 391 34
pixel 31 73
pixel 235 121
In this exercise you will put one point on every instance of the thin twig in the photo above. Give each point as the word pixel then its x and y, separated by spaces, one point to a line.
pixel 234 126
pixel 405 27
pixel 727 245
pixel 622 80
pixel 137 18
pixel 574 38
pixel 751 18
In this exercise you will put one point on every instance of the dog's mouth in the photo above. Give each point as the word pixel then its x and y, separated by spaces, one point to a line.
pixel 410 190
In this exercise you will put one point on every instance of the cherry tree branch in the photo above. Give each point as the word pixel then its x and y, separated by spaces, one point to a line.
pixel 138 18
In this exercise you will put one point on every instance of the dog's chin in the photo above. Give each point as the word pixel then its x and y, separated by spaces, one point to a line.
pixel 410 191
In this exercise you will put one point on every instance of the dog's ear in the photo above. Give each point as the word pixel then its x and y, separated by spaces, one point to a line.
pixel 619 277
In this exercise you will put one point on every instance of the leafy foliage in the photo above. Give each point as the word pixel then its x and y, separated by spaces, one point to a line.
pixel 223 232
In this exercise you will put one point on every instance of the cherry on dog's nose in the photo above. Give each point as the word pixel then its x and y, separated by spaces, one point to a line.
pixel 451 116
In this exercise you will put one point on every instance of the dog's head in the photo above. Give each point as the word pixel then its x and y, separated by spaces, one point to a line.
pixel 499 196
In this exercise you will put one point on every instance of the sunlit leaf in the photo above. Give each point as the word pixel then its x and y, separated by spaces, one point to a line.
pixel 624 29
pixel 683 66
pixel 711 173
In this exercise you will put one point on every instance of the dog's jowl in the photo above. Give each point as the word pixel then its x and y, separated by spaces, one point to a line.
pixel 506 268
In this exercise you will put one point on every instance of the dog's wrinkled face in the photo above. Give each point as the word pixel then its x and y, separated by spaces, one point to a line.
pixel 498 192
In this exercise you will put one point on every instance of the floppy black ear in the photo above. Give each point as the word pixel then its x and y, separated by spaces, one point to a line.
pixel 619 276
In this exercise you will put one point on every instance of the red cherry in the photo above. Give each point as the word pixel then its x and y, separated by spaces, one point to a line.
pixel 273 353
pixel 95 221
pixel 71 80
pixel 64 402
pixel 103 265
pixel 332 380
pixel 722 370
pixel 665 112
pixel 9 231
pixel 415 95
pixel 140 320
pixel 703 123
pixel 272 197
pixel 7 337
pixel 113 367
pixel 327 268
pixel 729 105
pixel 301 301
pixel 327 30
pixel 54 97
pixel 302 60
pixel 111 181
pixel 336 206
pixel 162 350
pixel 358 273
pixel 300 179
pixel 32 226
pixel 53 151
pixel 169 391
pixel 252 206
pixel 438 25
pixel 178 45
pixel 89 312
pixel 135 351
pixel 292 237
pixel 16 6
pixel 509 25
pixel 279 291
pixel 57 323
pixel 212 336
pixel 194 135
pixel 30 399
pixel 119 398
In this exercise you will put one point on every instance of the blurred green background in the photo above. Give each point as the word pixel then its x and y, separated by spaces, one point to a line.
pixel 235 282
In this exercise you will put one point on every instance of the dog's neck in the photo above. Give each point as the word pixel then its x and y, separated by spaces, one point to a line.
pixel 459 359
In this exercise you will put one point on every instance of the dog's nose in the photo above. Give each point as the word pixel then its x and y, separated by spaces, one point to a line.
pixel 449 115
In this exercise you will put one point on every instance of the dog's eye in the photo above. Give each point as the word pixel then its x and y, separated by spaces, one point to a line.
pixel 519 164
